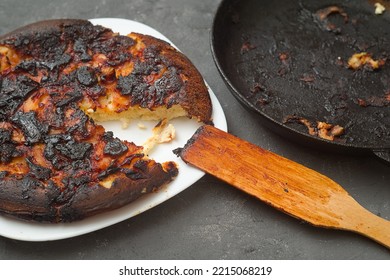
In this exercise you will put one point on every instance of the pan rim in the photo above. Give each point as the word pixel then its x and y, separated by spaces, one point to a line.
pixel 218 16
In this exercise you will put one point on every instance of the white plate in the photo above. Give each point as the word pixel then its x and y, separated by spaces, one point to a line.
pixel 32 231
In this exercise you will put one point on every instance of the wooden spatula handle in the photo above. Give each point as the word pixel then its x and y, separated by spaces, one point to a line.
pixel 290 187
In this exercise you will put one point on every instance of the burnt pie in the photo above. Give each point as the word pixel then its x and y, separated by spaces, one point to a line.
pixel 59 76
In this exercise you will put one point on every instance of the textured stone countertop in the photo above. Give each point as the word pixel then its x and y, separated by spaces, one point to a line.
pixel 209 220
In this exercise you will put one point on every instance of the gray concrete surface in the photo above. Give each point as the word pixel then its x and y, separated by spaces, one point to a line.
pixel 209 220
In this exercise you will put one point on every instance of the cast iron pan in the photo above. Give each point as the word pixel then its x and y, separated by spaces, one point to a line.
pixel 288 61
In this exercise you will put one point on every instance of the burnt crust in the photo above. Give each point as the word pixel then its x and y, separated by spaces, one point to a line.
pixel 28 198
pixel 56 164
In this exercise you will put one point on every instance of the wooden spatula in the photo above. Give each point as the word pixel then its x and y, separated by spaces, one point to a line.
pixel 288 186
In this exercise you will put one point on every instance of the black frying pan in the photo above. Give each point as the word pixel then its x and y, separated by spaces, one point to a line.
pixel 288 61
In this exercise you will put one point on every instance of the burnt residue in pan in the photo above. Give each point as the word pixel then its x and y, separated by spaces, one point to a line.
pixel 292 61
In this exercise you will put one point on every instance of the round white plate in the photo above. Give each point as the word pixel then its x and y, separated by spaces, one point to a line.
pixel 185 128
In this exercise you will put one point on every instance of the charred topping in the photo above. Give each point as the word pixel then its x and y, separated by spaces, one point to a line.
pixel 133 85
pixel 70 98
pixel 130 158
pixel 172 169
pixel 73 149
pixel 80 48
pixel 141 165
pixel 8 147
pixel 118 43
pixel 169 83
pixel 79 123
pixel 8 151
pixel 5 136
pixel 138 170
pixel 147 66
pixel 114 146
pixel 60 149
pixel 33 129
pixel 29 66
pixel 29 186
pixel 52 192
pixel 148 95
pixel 72 182
pixel 13 92
pixel 110 170
pixel 133 174
pixel 86 76
pixel 38 171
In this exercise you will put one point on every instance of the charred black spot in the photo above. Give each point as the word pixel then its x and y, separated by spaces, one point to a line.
pixel 80 48
pixel 82 164
pixel 118 43
pixel 13 93
pixel 56 159
pixel 52 192
pixel 38 44
pixel 114 146
pixel 141 165
pixel 55 118
pixel 110 170
pixel 29 186
pixel 70 98
pixel 146 67
pixel 138 171
pixel 38 171
pixel 86 76
pixel 5 135
pixel 65 195
pixel 73 182
pixel 129 159
pixel 95 91
pixel 133 174
pixel 74 150
pixel 32 128
pixel 57 61
pixel 152 52
pixel 29 66
pixel 79 120
pixel 83 30
pixel 60 149
pixel 69 79
pixel 7 152
pixel 118 58
pixel 169 83
pixel 134 85
pixel 172 169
